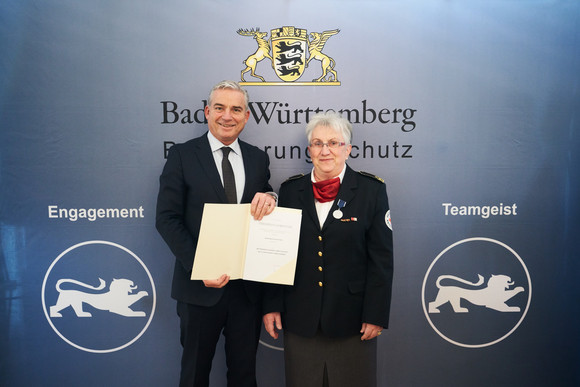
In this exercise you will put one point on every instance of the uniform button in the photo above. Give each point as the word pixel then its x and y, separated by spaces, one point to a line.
pixel 320 253
pixel 319 268
pixel 320 284
pixel 319 237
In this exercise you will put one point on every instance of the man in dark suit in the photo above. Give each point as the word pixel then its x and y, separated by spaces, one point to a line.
pixel 198 172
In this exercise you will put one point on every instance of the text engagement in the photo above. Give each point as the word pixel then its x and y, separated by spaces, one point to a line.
pixel 92 214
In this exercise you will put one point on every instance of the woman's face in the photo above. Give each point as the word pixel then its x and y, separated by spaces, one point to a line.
pixel 328 161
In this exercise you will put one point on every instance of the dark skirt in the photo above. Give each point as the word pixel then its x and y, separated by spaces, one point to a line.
pixel 320 361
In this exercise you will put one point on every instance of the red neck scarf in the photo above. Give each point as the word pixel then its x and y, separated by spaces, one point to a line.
pixel 326 190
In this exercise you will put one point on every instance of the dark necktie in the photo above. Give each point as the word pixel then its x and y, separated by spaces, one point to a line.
pixel 228 175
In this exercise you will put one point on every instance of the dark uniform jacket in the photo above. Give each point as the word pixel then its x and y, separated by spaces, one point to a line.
pixel 344 271
pixel 188 181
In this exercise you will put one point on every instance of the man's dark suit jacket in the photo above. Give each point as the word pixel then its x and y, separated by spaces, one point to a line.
pixel 188 181
pixel 344 271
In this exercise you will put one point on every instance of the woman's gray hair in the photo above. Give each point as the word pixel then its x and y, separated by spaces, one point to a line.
pixel 332 120
pixel 229 85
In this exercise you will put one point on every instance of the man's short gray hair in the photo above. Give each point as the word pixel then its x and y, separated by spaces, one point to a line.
pixel 332 120
pixel 230 85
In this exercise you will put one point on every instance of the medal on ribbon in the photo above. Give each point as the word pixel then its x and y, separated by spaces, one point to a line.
pixel 338 213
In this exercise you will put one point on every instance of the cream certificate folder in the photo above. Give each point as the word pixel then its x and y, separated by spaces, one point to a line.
pixel 232 242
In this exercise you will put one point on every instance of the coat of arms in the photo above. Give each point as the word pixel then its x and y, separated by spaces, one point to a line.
pixel 287 50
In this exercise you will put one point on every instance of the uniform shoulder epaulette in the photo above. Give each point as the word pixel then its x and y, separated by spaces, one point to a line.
pixel 371 176
pixel 293 177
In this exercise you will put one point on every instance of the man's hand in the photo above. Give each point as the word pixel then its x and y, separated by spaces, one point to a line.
pixel 263 204
pixel 273 323
pixel 218 283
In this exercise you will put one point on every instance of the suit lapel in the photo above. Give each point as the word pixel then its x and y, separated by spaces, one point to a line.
pixel 249 170
pixel 346 193
pixel 206 160
pixel 307 199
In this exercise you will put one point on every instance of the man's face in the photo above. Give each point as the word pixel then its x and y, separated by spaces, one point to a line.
pixel 227 115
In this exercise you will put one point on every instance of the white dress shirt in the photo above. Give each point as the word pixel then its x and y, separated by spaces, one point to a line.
pixel 236 160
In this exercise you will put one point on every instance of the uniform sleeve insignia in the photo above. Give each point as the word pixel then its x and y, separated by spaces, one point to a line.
pixel 371 176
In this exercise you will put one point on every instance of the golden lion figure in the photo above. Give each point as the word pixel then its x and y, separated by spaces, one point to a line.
pixel 315 48
pixel 494 296
pixel 117 300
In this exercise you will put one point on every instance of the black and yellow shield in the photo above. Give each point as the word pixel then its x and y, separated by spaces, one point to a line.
pixel 289 46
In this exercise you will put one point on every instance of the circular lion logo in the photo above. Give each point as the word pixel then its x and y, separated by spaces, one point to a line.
pixel 476 292
pixel 94 288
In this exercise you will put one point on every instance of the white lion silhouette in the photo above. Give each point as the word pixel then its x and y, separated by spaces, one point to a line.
pixel 494 296
pixel 117 300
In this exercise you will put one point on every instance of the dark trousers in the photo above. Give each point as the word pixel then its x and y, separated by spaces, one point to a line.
pixel 240 321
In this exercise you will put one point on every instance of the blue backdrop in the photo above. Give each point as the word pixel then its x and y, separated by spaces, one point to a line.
pixel 468 110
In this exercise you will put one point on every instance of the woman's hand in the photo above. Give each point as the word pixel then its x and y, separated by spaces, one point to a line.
pixel 370 331
pixel 273 323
